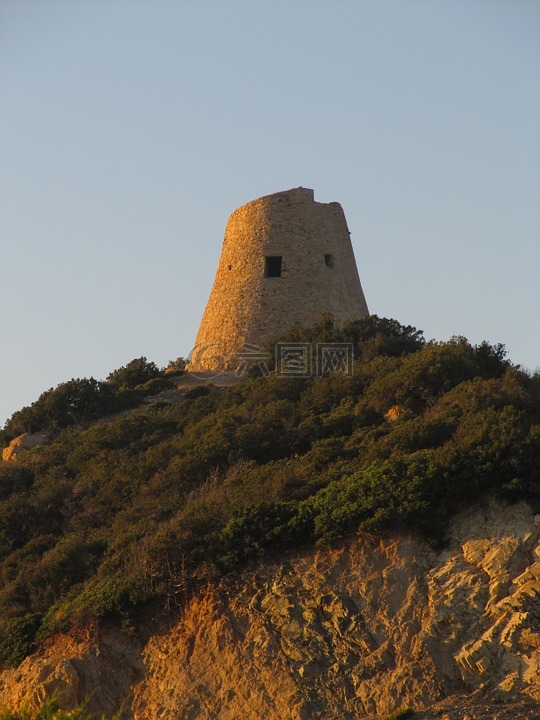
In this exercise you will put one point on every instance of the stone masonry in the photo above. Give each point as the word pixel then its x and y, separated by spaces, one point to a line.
pixel 286 260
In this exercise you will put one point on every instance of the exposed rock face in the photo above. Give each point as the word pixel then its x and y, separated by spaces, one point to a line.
pixel 354 632
pixel 22 444
pixel 395 412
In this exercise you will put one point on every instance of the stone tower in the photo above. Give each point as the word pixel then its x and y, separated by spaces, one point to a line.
pixel 286 260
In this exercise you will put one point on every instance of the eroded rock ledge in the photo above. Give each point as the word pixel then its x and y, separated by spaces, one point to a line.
pixel 22 444
pixel 353 632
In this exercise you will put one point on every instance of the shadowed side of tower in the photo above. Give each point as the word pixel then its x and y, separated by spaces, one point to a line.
pixel 286 260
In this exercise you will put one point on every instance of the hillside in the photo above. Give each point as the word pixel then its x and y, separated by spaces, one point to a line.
pixel 357 631
pixel 142 520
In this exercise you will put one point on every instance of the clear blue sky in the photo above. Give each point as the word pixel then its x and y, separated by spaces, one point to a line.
pixel 131 129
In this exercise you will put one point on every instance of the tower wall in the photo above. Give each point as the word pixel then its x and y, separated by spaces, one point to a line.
pixel 318 274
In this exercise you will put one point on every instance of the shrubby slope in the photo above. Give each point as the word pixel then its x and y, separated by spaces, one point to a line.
pixel 147 505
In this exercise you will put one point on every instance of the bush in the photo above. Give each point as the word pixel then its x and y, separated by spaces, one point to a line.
pixel 253 529
pixel 401 714
pixel 51 710
pixel 84 400
pixel 197 391
pixel 18 638
pixel 69 404
pixel 136 372
pixel 176 367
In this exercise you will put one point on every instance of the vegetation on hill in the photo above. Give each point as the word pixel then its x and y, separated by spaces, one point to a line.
pixel 51 710
pixel 84 400
pixel 150 503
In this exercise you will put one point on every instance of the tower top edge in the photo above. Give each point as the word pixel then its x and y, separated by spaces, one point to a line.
pixel 307 193
pixel 298 195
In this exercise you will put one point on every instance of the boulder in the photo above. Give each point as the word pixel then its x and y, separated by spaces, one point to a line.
pixel 23 443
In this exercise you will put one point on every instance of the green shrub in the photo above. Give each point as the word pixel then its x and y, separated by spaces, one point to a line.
pixel 70 403
pixel 136 372
pixel 401 714
pixel 197 391
pixel 17 639
pixel 176 367
pixel 85 400
pixel 252 529
pixel 51 710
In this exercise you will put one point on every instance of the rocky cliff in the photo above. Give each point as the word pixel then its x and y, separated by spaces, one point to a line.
pixel 353 632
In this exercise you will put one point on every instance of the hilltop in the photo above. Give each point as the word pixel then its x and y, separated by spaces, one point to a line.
pixel 153 502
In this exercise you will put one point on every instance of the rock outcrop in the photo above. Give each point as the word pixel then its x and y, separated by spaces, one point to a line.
pixel 23 443
pixel 353 632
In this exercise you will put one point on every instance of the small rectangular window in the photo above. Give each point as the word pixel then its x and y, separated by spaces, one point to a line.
pixel 272 266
